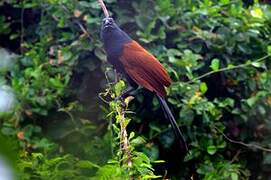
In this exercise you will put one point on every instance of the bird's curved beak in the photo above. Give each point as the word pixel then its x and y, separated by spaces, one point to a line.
pixel 106 21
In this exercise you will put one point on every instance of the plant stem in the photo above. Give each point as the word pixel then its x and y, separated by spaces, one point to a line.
pixel 124 142
pixel 250 146
pixel 22 28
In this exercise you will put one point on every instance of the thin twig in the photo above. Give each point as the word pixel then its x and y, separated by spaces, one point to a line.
pixel 77 22
pixel 100 95
pixel 227 69
pixel 117 77
pixel 235 157
pixel 82 28
pixel 250 146
pixel 22 29
pixel 103 8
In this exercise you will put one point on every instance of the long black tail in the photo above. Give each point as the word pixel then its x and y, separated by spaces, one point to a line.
pixel 173 122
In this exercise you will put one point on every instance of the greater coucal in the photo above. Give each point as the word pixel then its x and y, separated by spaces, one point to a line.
pixel 139 67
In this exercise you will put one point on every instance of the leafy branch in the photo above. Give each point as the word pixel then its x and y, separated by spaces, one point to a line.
pixel 124 141
pixel 134 164
pixel 231 67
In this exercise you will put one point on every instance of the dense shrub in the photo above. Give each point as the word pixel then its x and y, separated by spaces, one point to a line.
pixel 217 53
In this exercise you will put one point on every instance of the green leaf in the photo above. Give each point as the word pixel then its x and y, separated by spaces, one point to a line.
pixel 251 101
pixel 257 12
pixel 66 54
pixel 215 64
pixel 269 50
pixel 211 149
pixel 119 87
pixel 224 1
pixel 203 87
pixel 256 64
pixel 138 141
pixel 234 176
pixel 132 134
pixel 86 164
pixel 13 36
pixel 151 177
pixel 158 161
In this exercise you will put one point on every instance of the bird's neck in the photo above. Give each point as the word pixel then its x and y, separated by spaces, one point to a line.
pixel 114 42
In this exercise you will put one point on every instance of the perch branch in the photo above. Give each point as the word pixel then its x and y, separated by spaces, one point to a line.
pixel 103 8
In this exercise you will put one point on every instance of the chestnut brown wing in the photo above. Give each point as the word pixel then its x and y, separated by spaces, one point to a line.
pixel 144 68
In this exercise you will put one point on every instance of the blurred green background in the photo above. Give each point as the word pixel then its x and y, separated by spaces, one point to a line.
pixel 52 72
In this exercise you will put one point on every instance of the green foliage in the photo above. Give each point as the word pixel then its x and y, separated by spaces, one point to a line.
pixel 5 26
pixel 38 166
pixel 38 72
pixel 128 162
pixel 221 170
pixel 216 51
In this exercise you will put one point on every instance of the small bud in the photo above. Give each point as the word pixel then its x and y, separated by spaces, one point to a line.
pixel 59 57
pixel 20 135
pixel 85 18
pixel 77 13
pixel 51 51
pixel 128 100
pixel 269 100
pixel 29 112
pixel 51 61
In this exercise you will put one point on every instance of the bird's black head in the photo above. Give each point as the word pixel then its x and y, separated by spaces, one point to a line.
pixel 108 24
pixel 109 28
pixel 112 36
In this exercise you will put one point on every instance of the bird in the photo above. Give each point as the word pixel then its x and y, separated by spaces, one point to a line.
pixel 139 67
